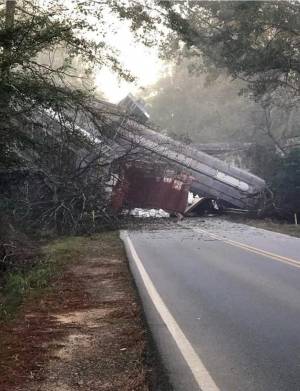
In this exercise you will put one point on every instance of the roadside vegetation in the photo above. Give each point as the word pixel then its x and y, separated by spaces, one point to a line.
pixel 24 281
pixel 269 224
pixel 80 324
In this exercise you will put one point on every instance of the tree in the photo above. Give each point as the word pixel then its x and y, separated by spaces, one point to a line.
pixel 59 173
pixel 254 41
pixel 193 107
pixel 285 183
pixel 28 84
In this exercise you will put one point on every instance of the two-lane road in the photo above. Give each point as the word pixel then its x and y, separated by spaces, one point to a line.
pixel 223 303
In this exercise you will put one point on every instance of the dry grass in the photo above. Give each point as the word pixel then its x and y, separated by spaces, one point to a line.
pixel 268 224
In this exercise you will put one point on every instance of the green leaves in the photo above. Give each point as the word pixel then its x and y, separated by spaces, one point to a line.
pixel 47 61
pixel 256 41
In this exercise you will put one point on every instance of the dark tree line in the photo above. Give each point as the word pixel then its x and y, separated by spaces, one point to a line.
pixel 54 177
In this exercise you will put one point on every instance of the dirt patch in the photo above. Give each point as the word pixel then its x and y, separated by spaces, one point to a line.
pixel 85 333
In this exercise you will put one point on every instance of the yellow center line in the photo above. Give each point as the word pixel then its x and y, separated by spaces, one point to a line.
pixel 268 254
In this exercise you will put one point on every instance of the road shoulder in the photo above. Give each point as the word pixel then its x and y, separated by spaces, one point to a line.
pixel 86 332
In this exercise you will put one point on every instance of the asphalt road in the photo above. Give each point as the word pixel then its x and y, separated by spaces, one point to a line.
pixel 223 303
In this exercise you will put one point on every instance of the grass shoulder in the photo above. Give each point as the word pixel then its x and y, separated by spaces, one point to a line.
pixel 32 278
pixel 268 224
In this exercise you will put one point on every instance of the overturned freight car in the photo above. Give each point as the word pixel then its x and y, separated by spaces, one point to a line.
pixel 129 129
pixel 212 177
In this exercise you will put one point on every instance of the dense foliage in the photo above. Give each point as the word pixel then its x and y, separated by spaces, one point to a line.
pixel 53 175
pixel 257 41
pixel 285 183
pixel 40 47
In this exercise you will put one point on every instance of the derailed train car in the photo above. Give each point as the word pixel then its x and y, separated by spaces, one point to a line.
pixel 212 177
pixel 128 128
pixel 145 186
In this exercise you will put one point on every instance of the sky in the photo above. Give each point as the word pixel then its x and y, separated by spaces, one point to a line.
pixel 141 61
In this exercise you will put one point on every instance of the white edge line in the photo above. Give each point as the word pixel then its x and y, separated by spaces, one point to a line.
pixel 200 373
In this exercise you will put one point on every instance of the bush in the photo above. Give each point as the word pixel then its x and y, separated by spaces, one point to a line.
pixel 285 183
pixel 19 283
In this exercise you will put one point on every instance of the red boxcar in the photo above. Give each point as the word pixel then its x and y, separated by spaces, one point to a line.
pixel 142 186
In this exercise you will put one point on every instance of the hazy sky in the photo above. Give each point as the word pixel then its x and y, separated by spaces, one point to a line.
pixel 142 62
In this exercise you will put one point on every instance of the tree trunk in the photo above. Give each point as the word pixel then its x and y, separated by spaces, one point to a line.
pixel 10 13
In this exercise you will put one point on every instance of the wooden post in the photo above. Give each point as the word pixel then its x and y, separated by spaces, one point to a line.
pixel 10 8
pixel 296 218
pixel 10 13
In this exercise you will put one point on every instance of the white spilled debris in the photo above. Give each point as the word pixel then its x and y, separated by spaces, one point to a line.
pixel 157 213
pixel 192 199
